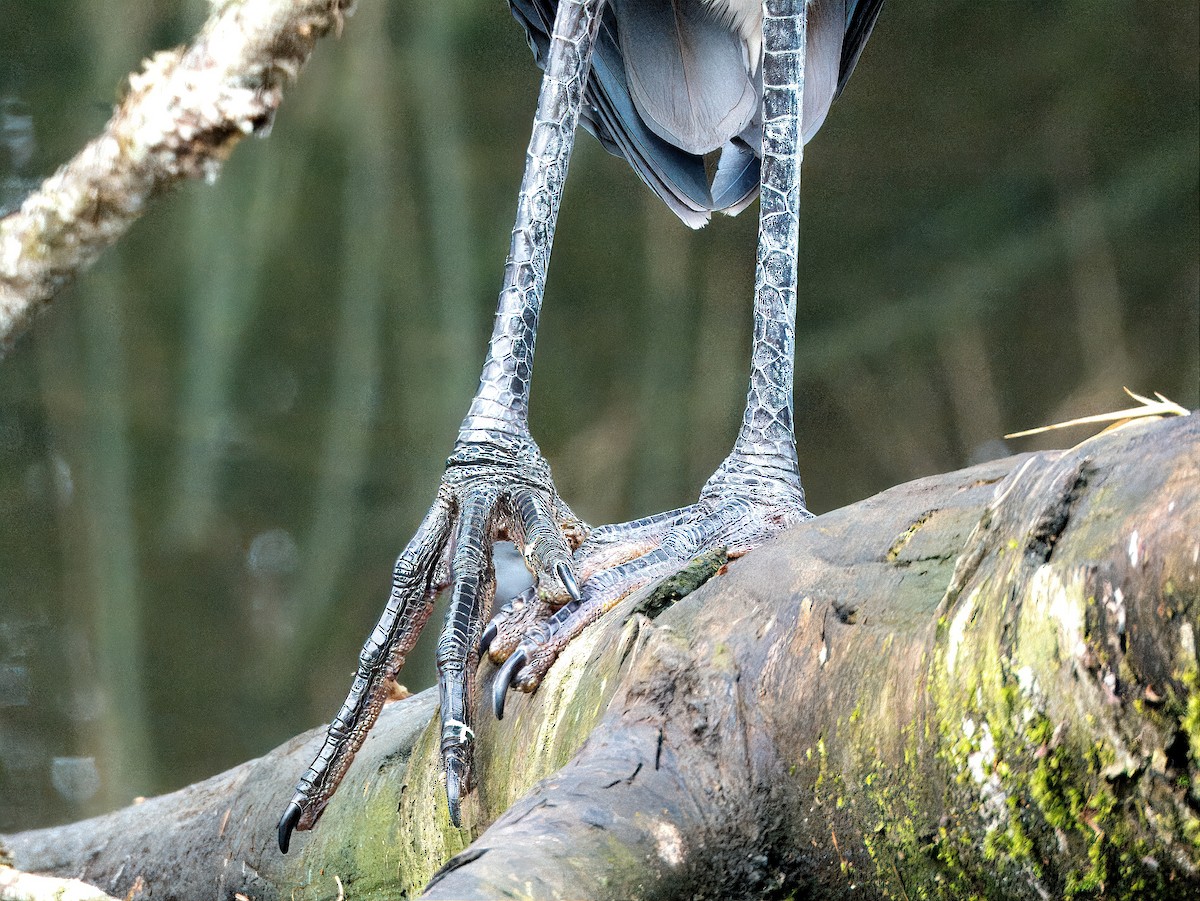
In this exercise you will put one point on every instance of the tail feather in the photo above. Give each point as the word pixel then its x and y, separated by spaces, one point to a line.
pixel 686 71
pixel 638 110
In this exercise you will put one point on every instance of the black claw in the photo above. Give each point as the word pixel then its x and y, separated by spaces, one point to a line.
pixel 504 679
pixel 489 635
pixel 568 580
pixel 287 823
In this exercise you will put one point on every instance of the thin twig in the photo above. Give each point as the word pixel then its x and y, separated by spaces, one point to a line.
pixel 1160 407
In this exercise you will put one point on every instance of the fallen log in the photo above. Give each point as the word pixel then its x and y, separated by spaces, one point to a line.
pixel 980 684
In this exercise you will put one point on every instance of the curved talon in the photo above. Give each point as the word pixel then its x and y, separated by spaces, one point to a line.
pixel 504 678
pixel 454 787
pixel 485 640
pixel 568 580
pixel 287 823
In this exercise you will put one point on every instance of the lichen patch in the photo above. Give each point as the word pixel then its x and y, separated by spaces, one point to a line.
pixel 981 764
pixel 1048 591
pixel 668 843
pixel 958 628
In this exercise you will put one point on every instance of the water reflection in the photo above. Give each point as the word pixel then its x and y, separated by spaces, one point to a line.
pixel 213 448
pixel 14 685
pixel 273 553
pixel 75 778
pixel 17 149
pixel 22 755
pixel 274 390
pixel 511 575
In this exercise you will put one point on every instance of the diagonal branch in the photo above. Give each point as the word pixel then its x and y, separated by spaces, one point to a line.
pixel 183 115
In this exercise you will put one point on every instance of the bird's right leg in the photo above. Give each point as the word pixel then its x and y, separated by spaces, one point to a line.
pixel 497 483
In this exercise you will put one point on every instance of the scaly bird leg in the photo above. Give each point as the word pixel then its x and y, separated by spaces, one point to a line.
pixel 756 491
pixel 421 571
pixel 497 483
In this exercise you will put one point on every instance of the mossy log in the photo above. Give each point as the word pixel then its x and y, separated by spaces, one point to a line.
pixel 976 685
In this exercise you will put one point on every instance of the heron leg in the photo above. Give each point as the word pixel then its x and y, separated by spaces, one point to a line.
pixel 421 571
pixel 497 483
pixel 756 491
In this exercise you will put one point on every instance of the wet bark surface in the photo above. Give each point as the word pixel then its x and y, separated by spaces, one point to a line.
pixel 980 684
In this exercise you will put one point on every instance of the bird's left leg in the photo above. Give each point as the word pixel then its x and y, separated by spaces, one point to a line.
pixel 756 491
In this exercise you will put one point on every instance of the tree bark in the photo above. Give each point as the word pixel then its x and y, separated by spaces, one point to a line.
pixel 976 685
pixel 181 118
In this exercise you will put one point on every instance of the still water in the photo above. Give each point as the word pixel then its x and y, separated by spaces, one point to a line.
pixel 214 445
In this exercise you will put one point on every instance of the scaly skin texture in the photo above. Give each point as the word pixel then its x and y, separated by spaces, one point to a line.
pixel 756 492
pixel 498 484
pixel 496 469
pixel 420 573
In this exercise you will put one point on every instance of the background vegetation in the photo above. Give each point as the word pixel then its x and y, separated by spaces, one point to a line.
pixel 213 447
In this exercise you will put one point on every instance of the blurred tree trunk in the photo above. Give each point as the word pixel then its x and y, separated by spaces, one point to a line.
pixel 981 684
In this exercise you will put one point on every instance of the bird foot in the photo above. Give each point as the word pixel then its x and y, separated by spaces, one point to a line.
pixel 739 509
pixel 495 489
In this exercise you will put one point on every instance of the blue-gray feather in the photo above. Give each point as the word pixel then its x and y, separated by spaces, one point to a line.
pixel 671 82
pixel 687 72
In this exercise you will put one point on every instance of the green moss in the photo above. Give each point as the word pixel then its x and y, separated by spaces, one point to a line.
pixel 671 590
pixel 422 849
pixel 1191 831
pixel 1190 721
pixel 722 658
pixel 1062 822
pixel 898 837
pixel 822 765
pixel 1050 791
pixel 1072 796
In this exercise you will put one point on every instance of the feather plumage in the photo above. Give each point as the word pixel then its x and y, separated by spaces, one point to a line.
pixel 673 80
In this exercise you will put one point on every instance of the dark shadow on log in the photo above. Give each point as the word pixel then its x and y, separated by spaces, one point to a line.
pixel 977 684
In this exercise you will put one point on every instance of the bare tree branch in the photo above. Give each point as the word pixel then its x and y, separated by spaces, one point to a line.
pixel 184 113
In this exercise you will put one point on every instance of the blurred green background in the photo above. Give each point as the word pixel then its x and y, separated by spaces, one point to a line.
pixel 214 445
